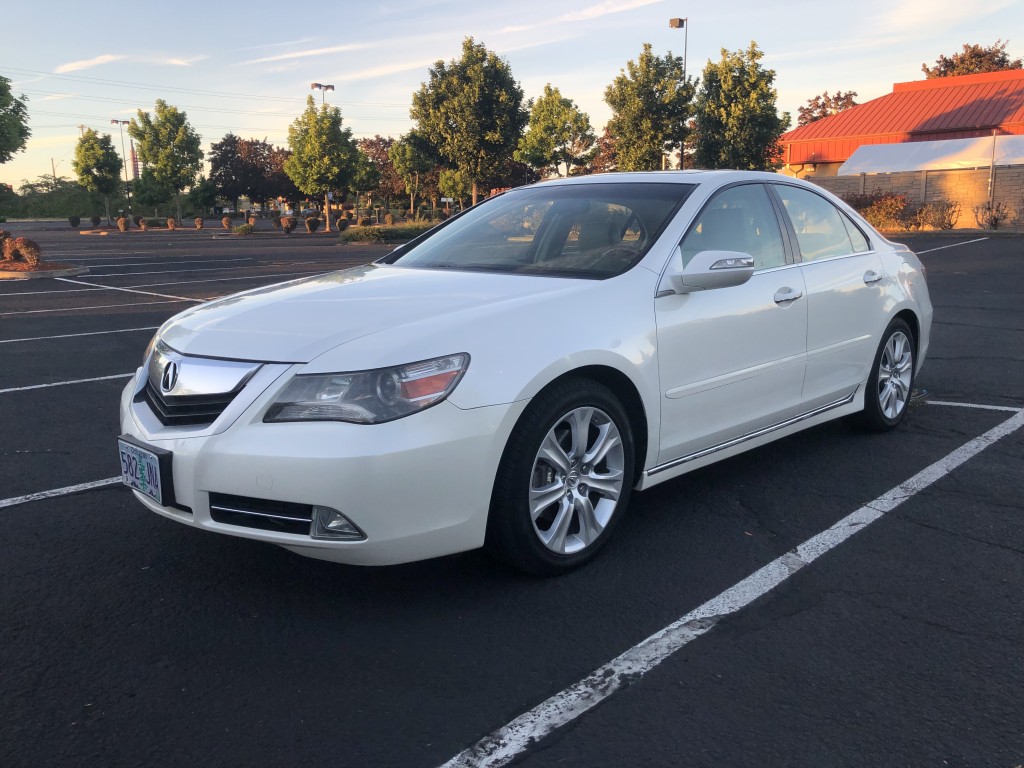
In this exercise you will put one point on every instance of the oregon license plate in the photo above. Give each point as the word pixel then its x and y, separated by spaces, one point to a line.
pixel 146 469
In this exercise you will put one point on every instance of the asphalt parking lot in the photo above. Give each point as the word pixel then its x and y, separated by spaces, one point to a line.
pixel 128 639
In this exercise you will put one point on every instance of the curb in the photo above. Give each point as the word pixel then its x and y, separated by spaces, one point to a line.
pixel 69 272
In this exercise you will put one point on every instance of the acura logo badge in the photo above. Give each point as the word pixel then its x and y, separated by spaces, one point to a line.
pixel 170 377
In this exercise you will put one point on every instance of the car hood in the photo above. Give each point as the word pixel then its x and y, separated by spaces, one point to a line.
pixel 297 321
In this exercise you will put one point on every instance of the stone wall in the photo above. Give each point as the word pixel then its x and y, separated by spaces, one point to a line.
pixel 967 187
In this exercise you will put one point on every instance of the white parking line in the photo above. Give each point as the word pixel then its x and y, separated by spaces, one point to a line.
pixel 171 271
pixel 516 737
pixel 168 261
pixel 98 306
pixel 66 383
pixel 226 279
pixel 1007 408
pixel 952 245
pixel 128 290
pixel 45 293
pixel 76 335
pixel 58 492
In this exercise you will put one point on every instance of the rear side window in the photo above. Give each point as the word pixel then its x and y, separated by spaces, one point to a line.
pixel 860 243
pixel 820 228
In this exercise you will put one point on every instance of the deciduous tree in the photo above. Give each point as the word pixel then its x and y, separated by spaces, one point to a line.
pixel 14 130
pixel 390 183
pixel 98 166
pixel 324 154
pixel 651 102
pixel 825 105
pixel 471 109
pixel 559 135
pixel 972 60
pixel 168 147
pixel 412 156
pixel 736 121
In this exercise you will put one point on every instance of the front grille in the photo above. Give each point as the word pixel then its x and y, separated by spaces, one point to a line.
pixel 184 410
pixel 267 515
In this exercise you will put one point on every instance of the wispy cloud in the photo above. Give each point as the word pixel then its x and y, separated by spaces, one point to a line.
pixel 176 61
pixel 919 16
pixel 584 14
pixel 383 71
pixel 274 45
pixel 309 53
pixel 75 66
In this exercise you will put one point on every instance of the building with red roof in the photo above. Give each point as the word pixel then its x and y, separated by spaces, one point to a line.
pixel 966 106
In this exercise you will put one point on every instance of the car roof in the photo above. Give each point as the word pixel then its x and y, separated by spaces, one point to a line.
pixel 678 177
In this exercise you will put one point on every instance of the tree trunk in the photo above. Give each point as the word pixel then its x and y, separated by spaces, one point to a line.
pixel 474 191
pixel 327 212
pixel 178 201
pixel 106 208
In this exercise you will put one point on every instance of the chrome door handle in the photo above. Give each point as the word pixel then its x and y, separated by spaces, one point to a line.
pixel 786 295
pixel 871 277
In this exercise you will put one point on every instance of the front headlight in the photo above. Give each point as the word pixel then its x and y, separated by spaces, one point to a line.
pixel 369 397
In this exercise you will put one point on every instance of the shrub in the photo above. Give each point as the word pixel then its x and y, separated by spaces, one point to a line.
pixel 389 220
pixel 22 249
pixel 4 234
pixel 122 224
pixel 342 223
pixel 384 234
pixel 991 214
pixel 252 221
pixel 244 229
pixel 199 222
pixel 172 223
pixel 312 224
pixel 364 221
pixel 883 210
pixel 226 222
pixel 938 214
pixel 137 219
pixel 141 223
pixel 95 220
pixel 74 221
pixel 275 222
pixel 288 224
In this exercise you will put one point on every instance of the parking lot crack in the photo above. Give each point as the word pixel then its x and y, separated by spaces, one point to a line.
pixel 961 535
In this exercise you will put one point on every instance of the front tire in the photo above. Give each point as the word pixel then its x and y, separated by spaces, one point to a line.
pixel 887 394
pixel 564 480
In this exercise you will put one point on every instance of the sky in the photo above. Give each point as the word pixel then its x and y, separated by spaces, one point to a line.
pixel 246 68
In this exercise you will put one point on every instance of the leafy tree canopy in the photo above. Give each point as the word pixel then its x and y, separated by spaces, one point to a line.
pixel 736 123
pixel 559 135
pixel 168 146
pixel 149 192
pixel 377 150
pixel 826 105
pixel 472 111
pixel 651 102
pixel 97 164
pixel 412 156
pixel 972 60
pixel 246 167
pixel 14 130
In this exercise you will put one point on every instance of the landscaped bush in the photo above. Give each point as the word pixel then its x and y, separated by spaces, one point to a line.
pixel 172 223
pixel 199 222
pixel 275 222
pixel 364 221
pixel 389 220
pixel 383 234
pixel 288 224
pixel 342 223
pixel 938 214
pixel 312 224
pixel 991 214
pixel 137 219
pixel 23 250
pixel 244 229
pixel 252 221
pixel 74 221
pixel 95 220
pixel 122 224
pixel 883 210
pixel 226 222
pixel 141 223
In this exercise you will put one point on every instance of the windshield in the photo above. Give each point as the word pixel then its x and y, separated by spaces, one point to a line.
pixel 572 230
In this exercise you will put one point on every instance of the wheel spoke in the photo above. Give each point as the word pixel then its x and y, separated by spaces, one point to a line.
pixel 552 452
pixel 607 438
pixel 590 529
pixel 608 484
pixel 554 537
pixel 542 498
pixel 580 431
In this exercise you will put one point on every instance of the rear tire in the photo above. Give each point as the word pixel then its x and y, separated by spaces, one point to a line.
pixel 887 394
pixel 564 480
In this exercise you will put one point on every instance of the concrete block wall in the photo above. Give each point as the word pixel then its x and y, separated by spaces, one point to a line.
pixel 967 187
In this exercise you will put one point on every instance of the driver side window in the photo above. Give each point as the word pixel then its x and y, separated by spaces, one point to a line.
pixel 738 219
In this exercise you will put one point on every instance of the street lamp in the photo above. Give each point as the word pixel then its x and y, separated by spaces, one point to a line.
pixel 685 25
pixel 323 87
pixel 127 186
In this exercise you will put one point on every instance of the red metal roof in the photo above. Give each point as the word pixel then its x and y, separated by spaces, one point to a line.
pixel 959 107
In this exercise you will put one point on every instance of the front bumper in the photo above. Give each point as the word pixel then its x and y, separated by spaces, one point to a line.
pixel 418 487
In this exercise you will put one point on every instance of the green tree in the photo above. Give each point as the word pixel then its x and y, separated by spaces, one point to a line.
pixel 737 124
pixel 365 177
pixel 972 60
pixel 825 105
pixel 324 155
pixel 389 184
pixel 454 183
pixel 559 134
pixel 472 111
pixel 651 102
pixel 98 166
pixel 412 156
pixel 14 130
pixel 168 147
pixel 203 195
pixel 150 192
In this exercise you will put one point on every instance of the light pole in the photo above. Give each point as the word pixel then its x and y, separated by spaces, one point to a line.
pixel 323 87
pixel 127 186
pixel 685 25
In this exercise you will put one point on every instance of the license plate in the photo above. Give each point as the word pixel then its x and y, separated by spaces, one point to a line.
pixel 146 469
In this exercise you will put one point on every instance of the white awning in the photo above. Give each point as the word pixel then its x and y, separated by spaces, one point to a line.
pixel 949 154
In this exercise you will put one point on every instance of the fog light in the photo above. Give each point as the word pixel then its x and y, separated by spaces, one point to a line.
pixel 331 524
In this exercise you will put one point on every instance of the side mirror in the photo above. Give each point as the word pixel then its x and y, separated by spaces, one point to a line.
pixel 708 270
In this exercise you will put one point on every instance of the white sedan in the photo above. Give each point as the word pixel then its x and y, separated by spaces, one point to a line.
pixel 507 379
